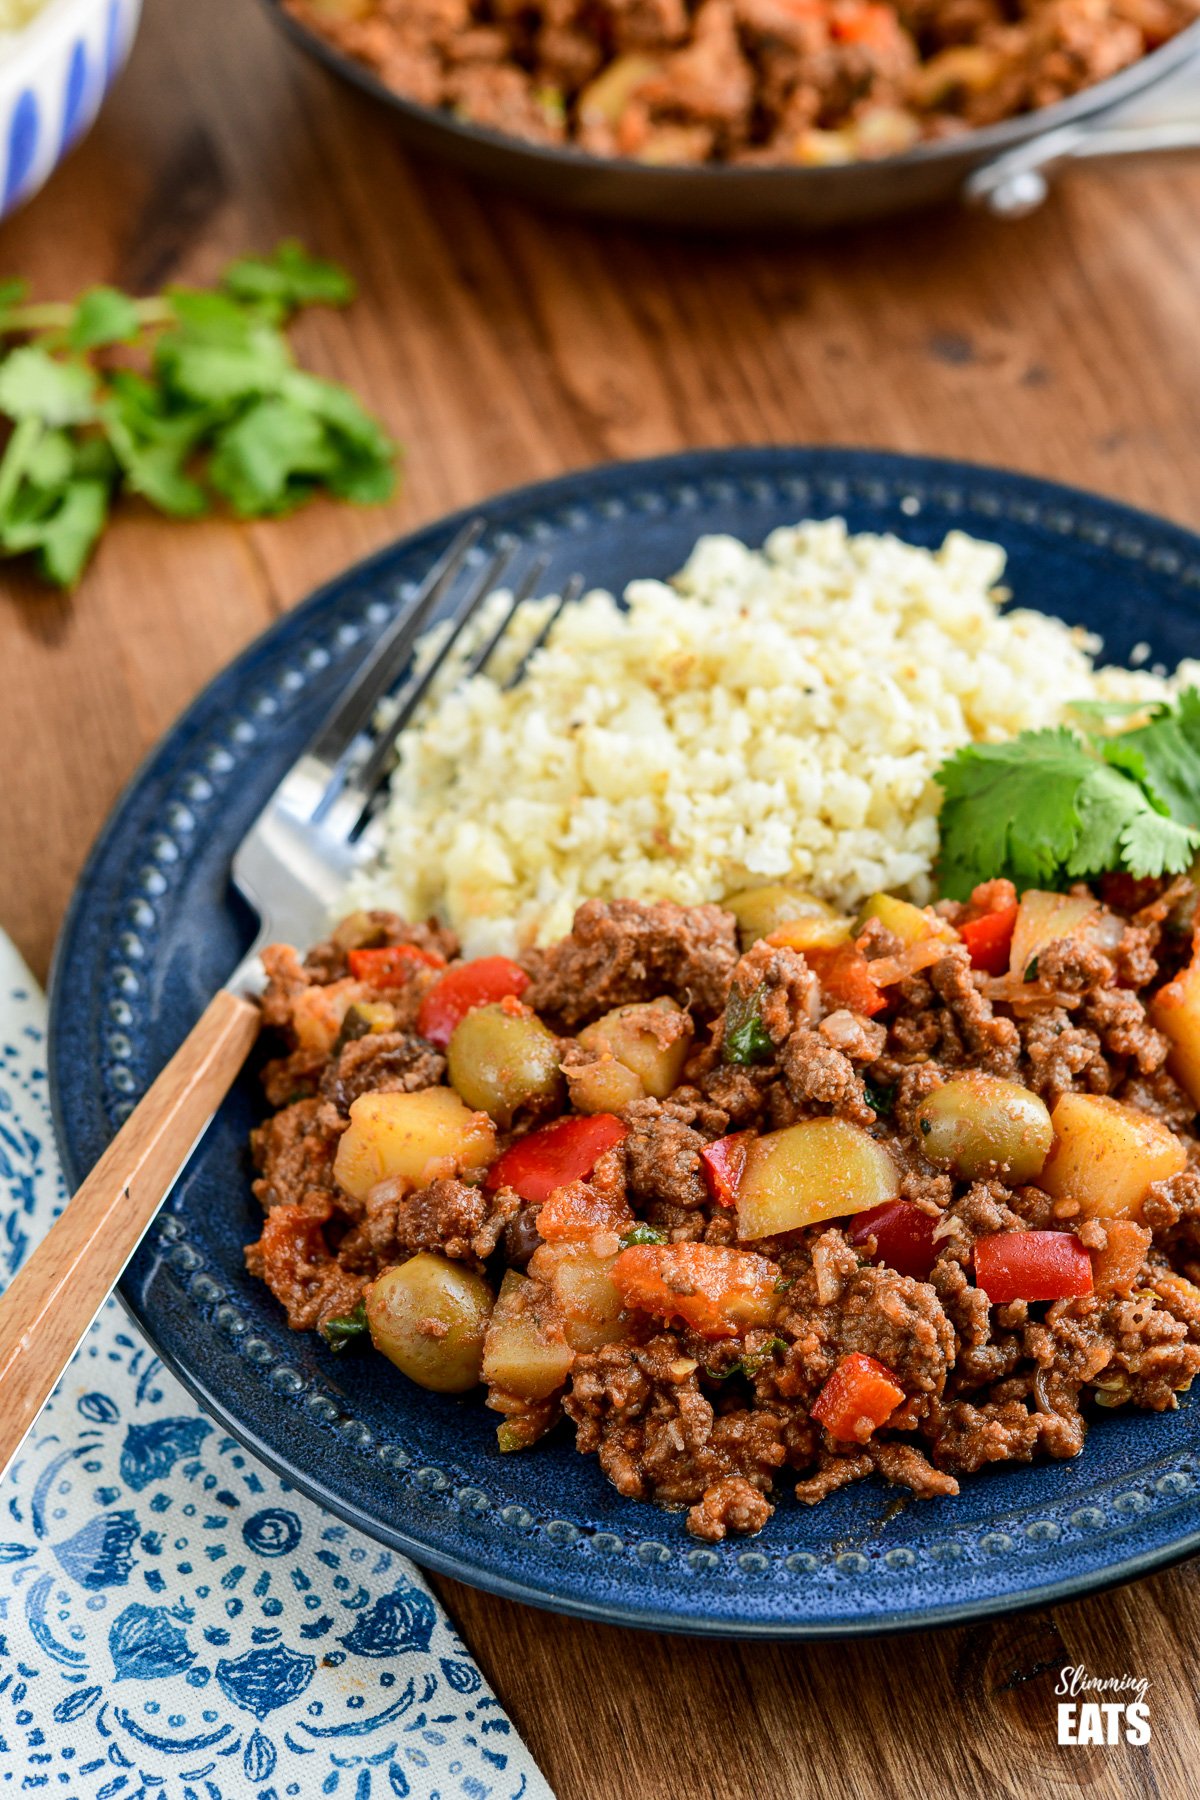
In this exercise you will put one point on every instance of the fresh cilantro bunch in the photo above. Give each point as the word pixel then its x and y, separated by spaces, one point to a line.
pixel 187 398
pixel 1051 807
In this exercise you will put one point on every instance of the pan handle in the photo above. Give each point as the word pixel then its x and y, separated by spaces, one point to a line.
pixel 1017 182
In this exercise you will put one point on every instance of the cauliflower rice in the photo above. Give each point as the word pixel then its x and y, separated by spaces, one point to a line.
pixel 773 714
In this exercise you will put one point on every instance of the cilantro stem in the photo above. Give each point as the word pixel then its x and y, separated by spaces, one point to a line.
pixel 56 315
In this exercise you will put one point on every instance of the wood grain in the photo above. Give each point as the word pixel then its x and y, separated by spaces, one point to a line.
pixel 503 346
pixel 50 1303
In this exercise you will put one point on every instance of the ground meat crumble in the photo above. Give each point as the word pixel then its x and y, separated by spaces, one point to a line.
pixel 715 1420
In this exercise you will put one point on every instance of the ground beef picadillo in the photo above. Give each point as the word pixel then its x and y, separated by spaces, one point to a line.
pixel 707 1363
pixel 808 82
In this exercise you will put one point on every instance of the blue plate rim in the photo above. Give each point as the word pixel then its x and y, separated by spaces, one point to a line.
pixel 678 468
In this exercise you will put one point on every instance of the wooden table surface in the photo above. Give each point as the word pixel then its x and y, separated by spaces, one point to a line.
pixel 502 346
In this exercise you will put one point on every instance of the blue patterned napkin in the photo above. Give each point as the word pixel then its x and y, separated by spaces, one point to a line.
pixel 176 1623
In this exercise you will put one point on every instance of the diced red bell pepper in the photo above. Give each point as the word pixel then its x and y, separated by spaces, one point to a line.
pixel 392 965
pixel 845 974
pixel 566 1151
pixel 462 989
pixel 718 1292
pixel 873 26
pixel 989 939
pixel 903 1236
pixel 859 1396
pixel 723 1164
pixel 1032 1265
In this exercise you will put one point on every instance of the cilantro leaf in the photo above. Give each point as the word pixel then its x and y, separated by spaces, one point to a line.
pixel 51 461
pixel 265 460
pixel 288 279
pixel 364 466
pixel 214 404
pixel 1153 846
pixel 1044 809
pixel 61 530
pixel 1106 709
pixel 213 371
pixel 1164 757
pixel 36 385
pixel 154 446
pixel 1011 809
pixel 103 315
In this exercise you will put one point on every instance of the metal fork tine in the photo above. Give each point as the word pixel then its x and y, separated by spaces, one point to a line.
pixel 571 592
pixel 523 591
pixel 392 651
pixel 370 774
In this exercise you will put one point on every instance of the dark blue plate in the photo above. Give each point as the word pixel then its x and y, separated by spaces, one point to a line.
pixel 153 930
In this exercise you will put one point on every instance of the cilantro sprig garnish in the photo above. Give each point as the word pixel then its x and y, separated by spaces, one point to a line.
pixel 1050 807
pixel 188 398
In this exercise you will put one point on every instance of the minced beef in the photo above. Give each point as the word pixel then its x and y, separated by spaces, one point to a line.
pixel 701 1367
pixel 624 950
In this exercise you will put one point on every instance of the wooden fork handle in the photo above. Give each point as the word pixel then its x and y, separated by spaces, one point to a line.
pixel 52 1301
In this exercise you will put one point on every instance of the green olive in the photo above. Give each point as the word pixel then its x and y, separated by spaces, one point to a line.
pixel 979 1125
pixel 652 1039
pixel 501 1058
pixel 429 1316
pixel 759 911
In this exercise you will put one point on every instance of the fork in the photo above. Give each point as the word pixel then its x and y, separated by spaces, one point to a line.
pixel 291 867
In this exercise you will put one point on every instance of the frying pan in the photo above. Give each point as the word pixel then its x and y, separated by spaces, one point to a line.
pixel 1002 167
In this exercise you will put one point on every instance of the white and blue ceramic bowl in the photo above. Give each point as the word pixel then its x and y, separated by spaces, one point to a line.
pixel 53 76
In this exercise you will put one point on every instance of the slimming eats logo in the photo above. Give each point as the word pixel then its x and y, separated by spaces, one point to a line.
pixel 1112 1708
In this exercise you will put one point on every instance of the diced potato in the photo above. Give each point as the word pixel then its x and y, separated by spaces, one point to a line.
pixel 677 144
pixel 812 934
pixel 526 1352
pixel 820 1169
pixel 911 924
pixel 319 1011
pixel 606 1086
pixel 652 1039
pixel 979 1125
pixel 973 67
pixel 582 1285
pixel 429 1316
pixel 1175 1011
pixel 825 149
pixel 886 131
pixel 603 100
pixel 501 1057
pixel 415 1136
pixel 1107 1156
pixel 1043 919
pixel 761 910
